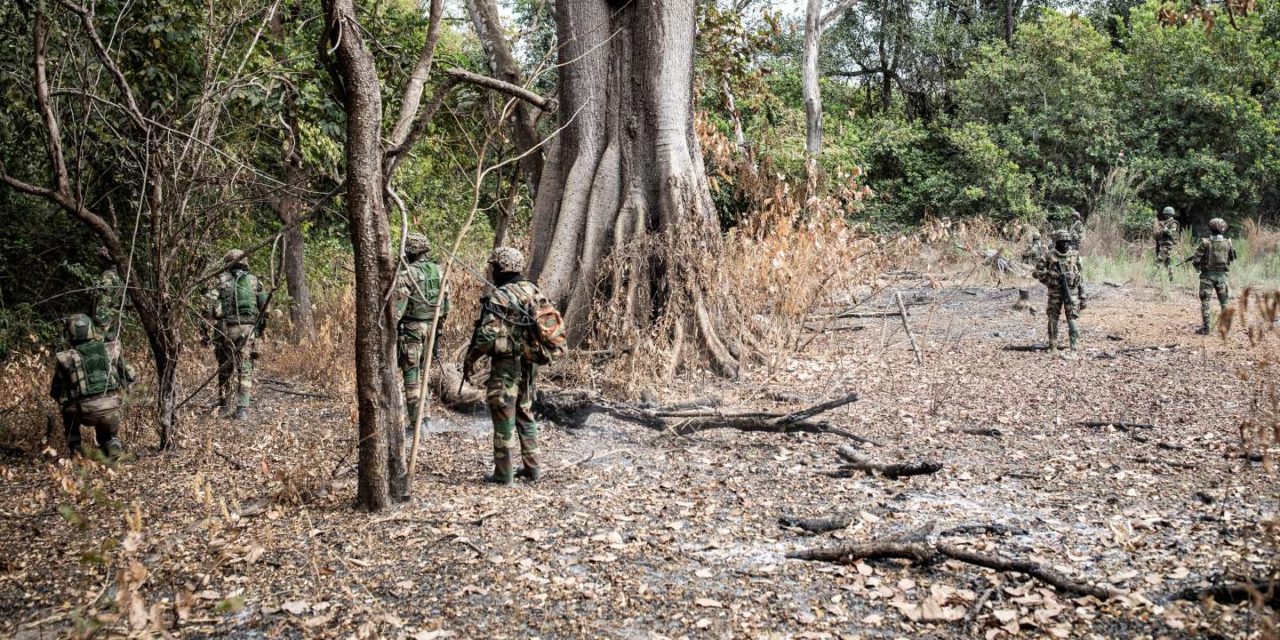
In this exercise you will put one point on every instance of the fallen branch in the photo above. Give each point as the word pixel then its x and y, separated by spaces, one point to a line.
pixel 1026 347
pixel 1260 591
pixel 816 525
pixel 240 466
pixel 989 432
pixel 571 409
pixel 1122 426
pixel 304 394
pixel 1167 347
pixel 856 462
pixel 923 554
pixel 994 529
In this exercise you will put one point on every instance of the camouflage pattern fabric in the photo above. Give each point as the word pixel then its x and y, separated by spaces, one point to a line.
pixel 1077 233
pixel 108 300
pixel 411 342
pixel 1052 267
pixel 236 348
pixel 102 411
pixel 509 395
pixel 1034 252
pixel 1212 283
pixel 1166 233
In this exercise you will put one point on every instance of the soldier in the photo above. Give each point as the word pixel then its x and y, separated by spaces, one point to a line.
pixel 1059 270
pixel 499 332
pixel 237 312
pixel 87 382
pixel 1076 229
pixel 1166 233
pixel 419 298
pixel 1213 258
pixel 108 298
pixel 1035 248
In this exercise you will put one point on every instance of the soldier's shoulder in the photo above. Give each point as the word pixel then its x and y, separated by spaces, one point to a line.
pixel 66 358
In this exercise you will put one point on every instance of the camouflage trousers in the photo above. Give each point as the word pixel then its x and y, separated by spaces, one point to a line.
pixel 509 394
pixel 1060 305
pixel 101 412
pixel 1164 258
pixel 236 347
pixel 411 341
pixel 1211 283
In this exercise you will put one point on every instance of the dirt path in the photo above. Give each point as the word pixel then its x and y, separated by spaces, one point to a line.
pixel 636 534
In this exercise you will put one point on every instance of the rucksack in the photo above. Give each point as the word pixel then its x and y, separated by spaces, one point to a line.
pixel 239 300
pixel 538 327
pixel 95 373
pixel 424 291
pixel 1218 256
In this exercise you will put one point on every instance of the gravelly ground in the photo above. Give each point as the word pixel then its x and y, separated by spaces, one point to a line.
pixel 639 534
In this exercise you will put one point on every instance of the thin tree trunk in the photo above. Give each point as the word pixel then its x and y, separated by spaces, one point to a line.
pixel 812 95
pixel 488 25
pixel 381 471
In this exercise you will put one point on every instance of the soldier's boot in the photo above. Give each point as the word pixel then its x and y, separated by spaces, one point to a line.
pixel 1053 335
pixel 112 449
pixel 411 416
pixel 501 466
pixel 241 413
pixel 1073 332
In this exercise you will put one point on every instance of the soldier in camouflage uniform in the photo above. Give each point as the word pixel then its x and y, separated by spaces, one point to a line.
pixel 1059 270
pixel 87 383
pixel 418 299
pixel 1076 229
pixel 1166 234
pixel 1213 258
pixel 108 298
pixel 1035 249
pixel 504 322
pixel 236 311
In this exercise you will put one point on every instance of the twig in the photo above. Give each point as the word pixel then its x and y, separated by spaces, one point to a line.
pixel 915 346
pixel 815 525
pixel 856 462
pixel 304 394
pixel 1122 426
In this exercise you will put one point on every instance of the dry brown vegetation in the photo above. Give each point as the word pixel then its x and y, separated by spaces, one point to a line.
pixel 248 528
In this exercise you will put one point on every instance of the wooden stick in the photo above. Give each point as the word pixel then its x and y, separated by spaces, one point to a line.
pixel 902 310
pixel 1122 426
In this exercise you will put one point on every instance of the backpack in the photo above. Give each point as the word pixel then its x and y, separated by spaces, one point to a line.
pixel 239 300
pixel 538 326
pixel 424 291
pixel 91 369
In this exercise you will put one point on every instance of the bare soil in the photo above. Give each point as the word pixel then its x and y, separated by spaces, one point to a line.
pixel 635 533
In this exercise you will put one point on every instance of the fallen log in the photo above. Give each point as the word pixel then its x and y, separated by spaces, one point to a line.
pixel 572 408
pixel 1026 347
pixel 924 554
pixel 854 461
pixel 902 313
pixel 816 525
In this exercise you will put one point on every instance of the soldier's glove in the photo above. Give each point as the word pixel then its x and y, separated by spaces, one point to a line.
pixel 1083 304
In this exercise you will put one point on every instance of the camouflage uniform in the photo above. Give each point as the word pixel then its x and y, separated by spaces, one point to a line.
pixel 1059 269
pixel 1035 249
pixel 236 308
pixel 1166 234
pixel 1213 258
pixel 87 383
pixel 499 334
pixel 418 299
pixel 108 299
pixel 1076 230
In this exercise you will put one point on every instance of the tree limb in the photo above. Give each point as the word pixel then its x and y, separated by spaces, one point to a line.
pixel 834 14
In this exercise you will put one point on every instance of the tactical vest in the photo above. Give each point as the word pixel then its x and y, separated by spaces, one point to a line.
pixel 239 299
pixel 1218 255
pixel 424 291
pixel 91 366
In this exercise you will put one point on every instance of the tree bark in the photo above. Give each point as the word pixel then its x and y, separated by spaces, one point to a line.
pixel 626 178
pixel 488 25
pixel 812 94
pixel 382 474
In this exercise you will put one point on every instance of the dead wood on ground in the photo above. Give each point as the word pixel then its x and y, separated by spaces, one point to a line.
pixel 924 554
pixel 854 461
pixel 1261 591
pixel 816 525
pixel 1122 426
pixel 571 409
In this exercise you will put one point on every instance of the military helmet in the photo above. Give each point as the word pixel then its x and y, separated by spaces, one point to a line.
pixel 416 243
pixel 1061 235
pixel 1167 212
pixel 508 259
pixel 233 257
pixel 78 327
pixel 103 254
pixel 1218 225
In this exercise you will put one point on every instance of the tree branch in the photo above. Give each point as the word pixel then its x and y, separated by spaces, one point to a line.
pixel 86 19
pixel 548 105
pixel 412 98
pixel 834 14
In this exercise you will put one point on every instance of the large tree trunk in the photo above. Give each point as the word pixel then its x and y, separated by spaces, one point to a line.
pixel 627 178
pixel 488 25
pixel 382 473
